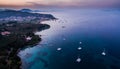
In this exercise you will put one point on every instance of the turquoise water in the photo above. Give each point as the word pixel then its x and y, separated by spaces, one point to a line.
pixel 97 30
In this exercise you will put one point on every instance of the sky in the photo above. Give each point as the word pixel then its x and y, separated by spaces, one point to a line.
pixel 58 3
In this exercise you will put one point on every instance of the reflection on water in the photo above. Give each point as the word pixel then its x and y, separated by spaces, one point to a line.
pixel 80 39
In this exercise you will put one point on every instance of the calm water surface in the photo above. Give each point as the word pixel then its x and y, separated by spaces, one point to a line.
pixel 97 30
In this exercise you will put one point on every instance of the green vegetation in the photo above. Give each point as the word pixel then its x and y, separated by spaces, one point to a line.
pixel 20 35
pixel 17 31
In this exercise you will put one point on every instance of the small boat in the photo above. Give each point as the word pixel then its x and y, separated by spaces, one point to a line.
pixel 59 49
pixel 78 60
pixel 64 39
pixel 63 27
pixel 103 53
pixel 79 48
pixel 80 42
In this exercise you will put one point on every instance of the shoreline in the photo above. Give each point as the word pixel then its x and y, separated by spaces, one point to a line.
pixel 16 32
pixel 10 58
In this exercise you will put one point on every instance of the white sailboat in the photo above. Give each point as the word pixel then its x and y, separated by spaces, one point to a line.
pixel 79 48
pixel 59 49
pixel 78 60
pixel 103 53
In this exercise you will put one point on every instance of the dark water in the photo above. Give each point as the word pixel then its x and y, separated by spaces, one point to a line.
pixel 97 29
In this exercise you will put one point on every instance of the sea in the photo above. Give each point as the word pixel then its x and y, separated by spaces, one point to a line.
pixel 79 39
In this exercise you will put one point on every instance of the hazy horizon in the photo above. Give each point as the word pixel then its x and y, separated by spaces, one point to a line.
pixel 59 3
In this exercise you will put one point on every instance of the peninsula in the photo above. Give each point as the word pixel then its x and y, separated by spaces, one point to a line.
pixel 17 31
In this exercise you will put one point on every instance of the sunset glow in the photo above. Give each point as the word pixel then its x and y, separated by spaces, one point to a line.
pixel 59 3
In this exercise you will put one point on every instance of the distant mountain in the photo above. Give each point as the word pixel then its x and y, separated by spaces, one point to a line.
pixel 19 16
pixel 3 9
pixel 29 10
pixel 25 10
pixel 9 13
pixel 37 11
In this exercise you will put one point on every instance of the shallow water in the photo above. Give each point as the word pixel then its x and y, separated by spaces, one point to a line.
pixel 97 29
